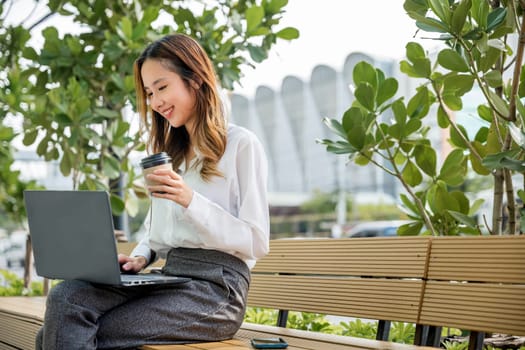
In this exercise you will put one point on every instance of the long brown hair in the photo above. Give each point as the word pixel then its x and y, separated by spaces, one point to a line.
pixel 184 56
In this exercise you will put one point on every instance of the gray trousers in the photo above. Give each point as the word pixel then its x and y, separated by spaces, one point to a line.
pixel 211 307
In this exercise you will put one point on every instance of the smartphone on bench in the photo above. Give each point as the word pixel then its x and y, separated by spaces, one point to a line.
pixel 269 343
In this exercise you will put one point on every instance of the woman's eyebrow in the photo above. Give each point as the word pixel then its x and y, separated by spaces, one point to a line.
pixel 155 83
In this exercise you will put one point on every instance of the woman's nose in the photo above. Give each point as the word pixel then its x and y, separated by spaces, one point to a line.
pixel 156 102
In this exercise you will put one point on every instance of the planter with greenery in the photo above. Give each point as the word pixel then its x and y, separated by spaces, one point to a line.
pixel 481 52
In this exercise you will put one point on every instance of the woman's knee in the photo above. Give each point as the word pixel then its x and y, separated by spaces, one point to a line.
pixel 66 291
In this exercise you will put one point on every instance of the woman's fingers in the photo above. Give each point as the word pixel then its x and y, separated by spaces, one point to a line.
pixel 170 185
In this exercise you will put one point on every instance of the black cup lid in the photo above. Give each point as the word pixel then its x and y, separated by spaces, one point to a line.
pixel 155 159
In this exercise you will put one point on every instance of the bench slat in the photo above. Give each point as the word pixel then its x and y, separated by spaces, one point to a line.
pixel 368 298
pixel 475 306
pixel 384 257
pixel 487 258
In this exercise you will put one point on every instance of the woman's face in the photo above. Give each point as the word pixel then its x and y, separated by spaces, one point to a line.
pixel 168 95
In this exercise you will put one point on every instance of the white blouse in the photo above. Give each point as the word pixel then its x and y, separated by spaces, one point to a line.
pixel 229 213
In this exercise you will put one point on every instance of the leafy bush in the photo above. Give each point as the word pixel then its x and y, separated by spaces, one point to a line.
pixel 401 332
pixel 309 322
pixel 449 345
pixel 12 285
pixel 261 316
pixel 359 329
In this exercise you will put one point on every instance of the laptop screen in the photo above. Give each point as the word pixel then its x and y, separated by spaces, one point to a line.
pixel 72 235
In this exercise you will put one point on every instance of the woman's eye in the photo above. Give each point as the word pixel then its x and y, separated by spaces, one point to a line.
pixel 162 87
pixel 149 94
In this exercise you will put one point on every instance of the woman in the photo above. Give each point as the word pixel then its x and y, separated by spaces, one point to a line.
pixel 210 222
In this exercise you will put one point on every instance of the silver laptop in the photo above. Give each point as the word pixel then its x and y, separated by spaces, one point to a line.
pixel 73 238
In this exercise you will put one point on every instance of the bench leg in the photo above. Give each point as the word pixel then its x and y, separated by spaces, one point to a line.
pixel 383 330
pixel 475 341
pixel 434 336
pixel 421 335
pixel 427 336
pixel 282 318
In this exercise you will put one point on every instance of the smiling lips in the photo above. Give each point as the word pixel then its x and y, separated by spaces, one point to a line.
pixel 167 112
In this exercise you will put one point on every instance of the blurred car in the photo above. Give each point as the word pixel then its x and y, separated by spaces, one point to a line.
pixel 15 255
pixel 375 228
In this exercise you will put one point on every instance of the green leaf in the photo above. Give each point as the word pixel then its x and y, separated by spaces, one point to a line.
pixel 462 218
pixel 422 67
pixel 452 60
pixel 440 200
pixel 458 83
pixel 29 137
pixel 386 90
pixel 335 126
pixel 490 58
pixel 426 159
pixel 65 164
pixel 500 105
pixel 364 94
pixel 440 9
pixel 127 28
pixel 456 138
pixel 454 168
pixel 30 53
pixel 275 6
pixel 412 126
pixel 500 160
pixel 361 159
pixel 110 167
pixel 7 133
pixel 414 51
pixel 462 200
pixel 431 25
pixel 419 104
pixel 254 17
pixel 74 45
pixel 258 54
pixel 494 78
pixel 107 113
pixel 411 174
pixel 495 18
pixel 396 131
pixel 476 163
pixel 357 136
pixel 400 112
pixel 409 206
pixel 410 229
pixel 459 16
pixel 453 101
pixel 117 204
pixel 339 147
pixel 442 118
pixel 288 33
pixel 485 113
pixel 364 73
pixel 479 12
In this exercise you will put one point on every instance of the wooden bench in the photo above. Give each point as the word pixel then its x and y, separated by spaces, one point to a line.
pixel 471 283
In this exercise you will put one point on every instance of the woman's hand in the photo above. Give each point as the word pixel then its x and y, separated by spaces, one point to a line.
pixel 131 264
pixel 172 187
